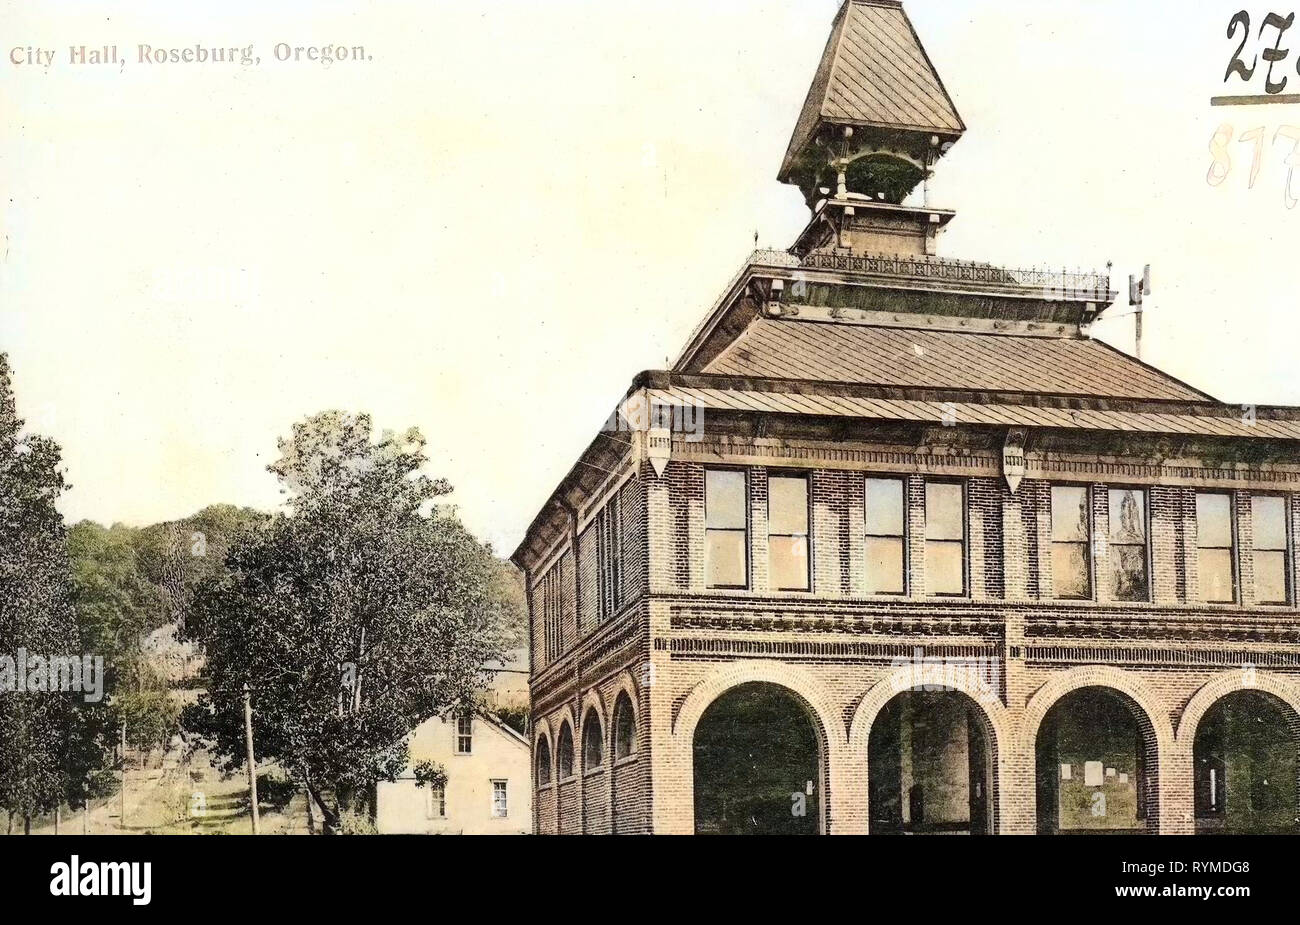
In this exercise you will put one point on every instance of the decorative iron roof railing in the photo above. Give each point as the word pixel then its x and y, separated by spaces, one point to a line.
pixel 1062 284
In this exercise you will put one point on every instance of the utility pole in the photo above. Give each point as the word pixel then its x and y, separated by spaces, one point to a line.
pixel 1137 291
pixel 252 767
pixel 122 819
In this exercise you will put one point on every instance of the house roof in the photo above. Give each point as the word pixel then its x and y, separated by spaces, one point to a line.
pixel 919 358
pixel 874 72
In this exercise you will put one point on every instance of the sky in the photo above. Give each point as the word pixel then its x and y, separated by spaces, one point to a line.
pixel 505 210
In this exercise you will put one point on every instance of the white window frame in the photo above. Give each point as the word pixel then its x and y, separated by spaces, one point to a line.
pixel 504 812
pixel 468 737
pixel 436 803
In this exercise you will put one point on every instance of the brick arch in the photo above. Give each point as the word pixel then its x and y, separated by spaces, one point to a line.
pixel 565 715
pixel 1230 682
pixel 626 685
pixel 1147 709
pixel 997 722
pixel 799 683
pixel 542 731
pixel 592 701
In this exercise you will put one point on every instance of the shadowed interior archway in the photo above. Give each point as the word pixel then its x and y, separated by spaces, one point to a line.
pixel 932 766
pixel 1097 760
pixel 759 764
pixel 1246 766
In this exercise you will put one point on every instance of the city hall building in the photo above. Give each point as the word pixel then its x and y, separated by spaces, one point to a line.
pixel 896 547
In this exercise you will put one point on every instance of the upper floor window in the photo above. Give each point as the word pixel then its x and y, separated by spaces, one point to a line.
pixel 552 609
pixel 1215 534
pixel 945 538
pixel 609 557
pixel 726 516
pixel 886 537
pixel 464 734
pixel 787 532
pixel 1071 550
pixel 1130 579
pixel 500 800
pixel 1268 516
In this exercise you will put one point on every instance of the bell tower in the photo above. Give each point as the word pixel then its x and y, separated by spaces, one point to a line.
pixel 876 121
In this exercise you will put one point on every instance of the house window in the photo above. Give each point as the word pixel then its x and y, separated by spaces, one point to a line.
pixel 464 734
pixel 787 532
pixel 609 558
pixel 1268 516
pixel 945 538
pixel 543 762
pixel 437 803
pixel 500 801
pixel 552 612
pixel 1128 545
pixel 564 752
pixel 593 743
pixel 624 727
pixel 1215 533
pixel 886 537
pixel 1071 552
pixel 726 556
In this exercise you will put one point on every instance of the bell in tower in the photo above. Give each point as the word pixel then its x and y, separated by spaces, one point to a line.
pixel 876 120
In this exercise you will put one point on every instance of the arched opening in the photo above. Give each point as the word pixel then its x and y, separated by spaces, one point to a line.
pixel 593 742
pixel 1097 763
pixel 758 764
pixel 624 727
pixel 564 752
pixel 1246 772
pixel 543 762
pixel 931 766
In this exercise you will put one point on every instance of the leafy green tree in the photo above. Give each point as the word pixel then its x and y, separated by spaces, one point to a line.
pixel 360 612
pixel 38 728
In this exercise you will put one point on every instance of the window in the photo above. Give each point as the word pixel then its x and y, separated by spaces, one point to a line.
pixel 593 744
pixel 1269 520
pixel 543 762
pixel 552 611
pixel 500 800
pixel 886 540
pixel 624 727
pixel 945 538
pixel 436 807
pixel 726 556
pixel 464 734
pixel 609 558
pixel 1214 542
pixel 1071 554
pixel 564 752
pixel 787 532
pixel 1128 545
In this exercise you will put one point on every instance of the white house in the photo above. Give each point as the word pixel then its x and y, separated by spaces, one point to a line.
pixel 489 782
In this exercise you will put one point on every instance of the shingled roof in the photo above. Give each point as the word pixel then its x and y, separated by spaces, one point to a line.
pixel 874 72
pixel 917 358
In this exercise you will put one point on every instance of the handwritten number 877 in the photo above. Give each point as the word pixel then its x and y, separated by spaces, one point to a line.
pixel 1222 164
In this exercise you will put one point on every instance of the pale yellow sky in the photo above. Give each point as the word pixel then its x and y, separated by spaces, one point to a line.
pixel 490 226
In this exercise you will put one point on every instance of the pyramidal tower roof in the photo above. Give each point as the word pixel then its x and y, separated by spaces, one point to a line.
pixel 875 75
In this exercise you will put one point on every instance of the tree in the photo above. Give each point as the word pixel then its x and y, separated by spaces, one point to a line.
pixel 46 741
pixel 356 614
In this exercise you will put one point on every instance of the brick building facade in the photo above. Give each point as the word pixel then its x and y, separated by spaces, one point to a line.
pixel 895 546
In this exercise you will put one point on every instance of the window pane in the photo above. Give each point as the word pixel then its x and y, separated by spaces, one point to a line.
pixel 1070 571
pixel 885 565
pixel 1216 575
pixel 1269 522
pixel 1213 520
pixel 943 511
pixel 1070 513
pixel 789 563
pixel 1128 515
pixel 1129 565
pixel 787 505
pixel 885 507
pixel 725 559
pixel 1270 577
pixel 944 568
pixel 724 498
